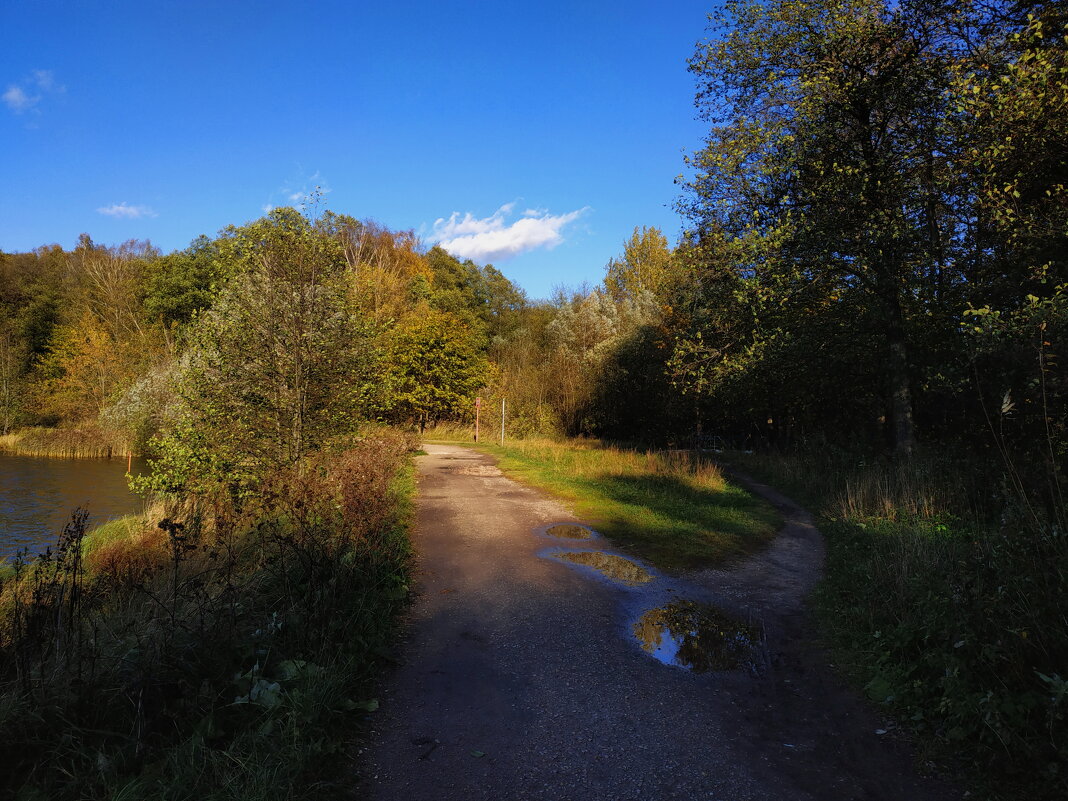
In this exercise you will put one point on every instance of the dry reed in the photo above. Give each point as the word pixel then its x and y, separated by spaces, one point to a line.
pixel 66 443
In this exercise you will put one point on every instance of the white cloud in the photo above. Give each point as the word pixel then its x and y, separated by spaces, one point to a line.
pixel 27 93
pixel 492 239
pixel 17 100
pixel 46 81
pixel 127 211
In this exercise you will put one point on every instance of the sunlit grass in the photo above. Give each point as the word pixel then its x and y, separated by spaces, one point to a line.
pixel 671 508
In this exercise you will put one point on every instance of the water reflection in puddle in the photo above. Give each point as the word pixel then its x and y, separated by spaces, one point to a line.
pixel 698 637
pixel 570 531
pixel 610 565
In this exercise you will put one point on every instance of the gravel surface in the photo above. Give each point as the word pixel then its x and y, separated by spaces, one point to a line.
pixel 520 677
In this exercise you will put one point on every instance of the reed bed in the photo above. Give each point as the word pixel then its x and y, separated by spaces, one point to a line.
pixel 67 443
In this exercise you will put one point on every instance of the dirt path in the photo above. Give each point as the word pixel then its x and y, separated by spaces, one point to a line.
pixel 521 678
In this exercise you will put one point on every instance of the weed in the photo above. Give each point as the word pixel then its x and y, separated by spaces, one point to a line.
pixel 86 442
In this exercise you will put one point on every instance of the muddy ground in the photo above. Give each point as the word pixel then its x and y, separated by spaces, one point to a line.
pixel 521 676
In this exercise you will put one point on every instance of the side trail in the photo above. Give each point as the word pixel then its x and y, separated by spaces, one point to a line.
pixel 521 676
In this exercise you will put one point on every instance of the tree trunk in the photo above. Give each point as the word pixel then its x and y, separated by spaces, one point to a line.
pixel 900 385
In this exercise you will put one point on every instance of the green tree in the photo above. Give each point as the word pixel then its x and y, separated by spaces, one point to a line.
pixel 482 296
pixel 180 284
pixel 279 365
pixel 645 266
pixel 436 366
pixel 828 155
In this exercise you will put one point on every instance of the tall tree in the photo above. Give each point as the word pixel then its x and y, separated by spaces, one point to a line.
pixel 279 365
pixel 435 367
pixel 826 147
pixel 645 266
pixel 86 369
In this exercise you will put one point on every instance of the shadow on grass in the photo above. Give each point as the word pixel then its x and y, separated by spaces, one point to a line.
pixel 676 525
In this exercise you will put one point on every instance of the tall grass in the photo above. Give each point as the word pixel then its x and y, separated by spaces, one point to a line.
pixel 87 442
pixel 945 594
pixel 219 652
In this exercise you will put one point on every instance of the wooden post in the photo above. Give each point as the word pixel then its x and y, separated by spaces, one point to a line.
pixel 129 461
pixel 478 406
pixel 502 422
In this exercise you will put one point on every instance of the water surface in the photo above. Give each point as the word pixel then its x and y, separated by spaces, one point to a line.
pixel 37 496
pixel 698 637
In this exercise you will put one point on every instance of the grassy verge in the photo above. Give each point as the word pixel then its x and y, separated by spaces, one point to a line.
pixel 673 510
pixel 945 602
pixel 220 653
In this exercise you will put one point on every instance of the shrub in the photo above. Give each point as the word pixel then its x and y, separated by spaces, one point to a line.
pixel 176 661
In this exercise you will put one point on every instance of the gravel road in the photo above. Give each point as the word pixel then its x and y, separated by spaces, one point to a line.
pixel 520 677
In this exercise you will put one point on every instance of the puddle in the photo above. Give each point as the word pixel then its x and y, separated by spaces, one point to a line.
pixel 698 637
pixel 612 566
pixel 569 531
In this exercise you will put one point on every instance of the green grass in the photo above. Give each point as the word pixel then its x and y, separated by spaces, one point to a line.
pixel 668 508
pixel 114 530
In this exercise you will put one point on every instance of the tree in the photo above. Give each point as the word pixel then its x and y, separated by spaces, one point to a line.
pixel 827 151
pixel 646 265
pixel 585 335
pixel 279 365
pixel 85 370
pixel 11 361
pixel 112 277
pixel 382 265
pixel 180 284
pixel 435 367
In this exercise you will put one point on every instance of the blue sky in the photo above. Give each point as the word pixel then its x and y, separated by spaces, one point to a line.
pixel 535 136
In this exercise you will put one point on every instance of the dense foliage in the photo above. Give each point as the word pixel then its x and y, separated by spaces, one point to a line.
pixel 875 282
pixel 274 336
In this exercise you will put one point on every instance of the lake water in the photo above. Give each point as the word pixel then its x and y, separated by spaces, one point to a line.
pixel 37 497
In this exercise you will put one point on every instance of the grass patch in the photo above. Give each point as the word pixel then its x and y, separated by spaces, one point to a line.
pixel 120 529
pixel 672 509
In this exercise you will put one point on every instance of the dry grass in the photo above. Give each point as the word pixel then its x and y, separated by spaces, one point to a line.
pixel 67 443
